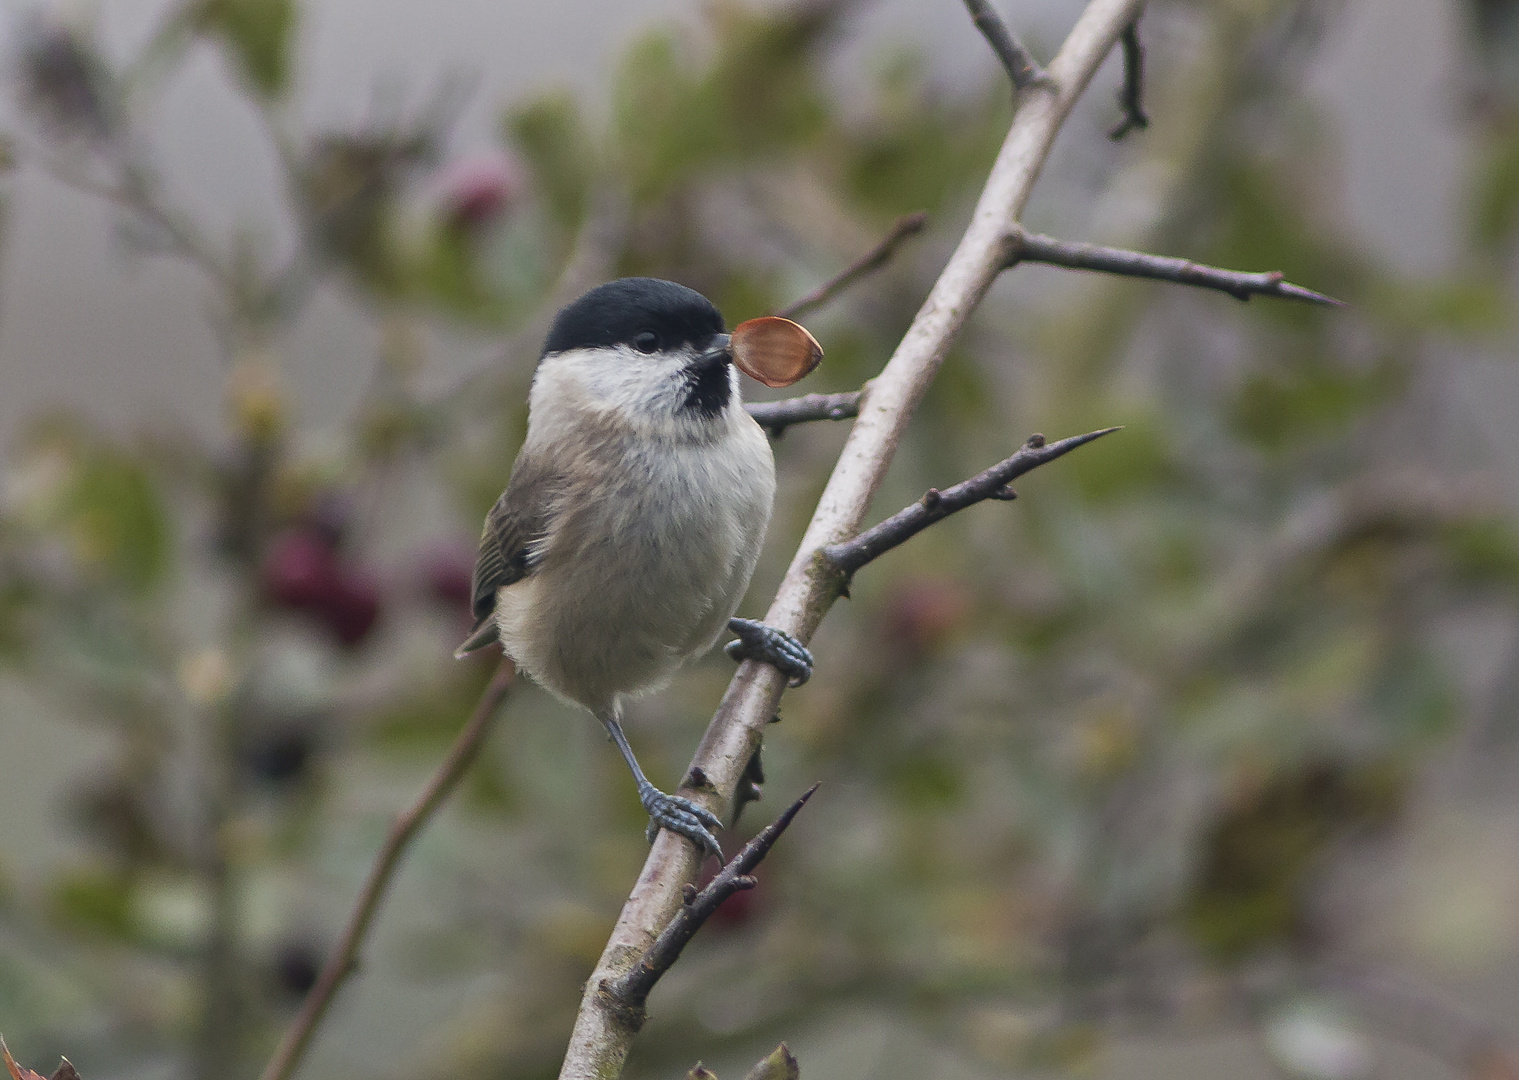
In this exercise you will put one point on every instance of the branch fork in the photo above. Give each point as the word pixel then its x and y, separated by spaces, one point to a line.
pixel 626 994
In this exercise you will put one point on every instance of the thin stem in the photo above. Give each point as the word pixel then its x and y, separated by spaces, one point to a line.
pixel 344 958
pixel 1016 60
pixel 936 505
pixel 1131 97
pixel 907 226
pixel 777 416
pixel 132 195
pixel 1034 247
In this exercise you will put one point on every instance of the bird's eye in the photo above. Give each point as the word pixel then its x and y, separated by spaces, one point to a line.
pixel 646 342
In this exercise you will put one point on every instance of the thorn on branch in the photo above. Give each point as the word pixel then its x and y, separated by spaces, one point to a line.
pixel 1130 98
pixel 848 556
pixel 779 1064
pixel 1017 61
pixel 902 229
pixel 776 416
pixel 629 992
pixel 65 1070
pixel 1034 247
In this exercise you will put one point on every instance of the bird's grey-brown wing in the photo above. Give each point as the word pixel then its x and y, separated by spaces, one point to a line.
pixel 510 545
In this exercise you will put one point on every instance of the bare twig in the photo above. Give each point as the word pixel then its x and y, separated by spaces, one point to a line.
pixel 776 416
pixel 132 193
pixel 1034 247
pixel 1019 63
pixel 907 226
pixel 936 505
pixel 1131 97
pixel 600 1041
pixel 631 990
pixel 345 956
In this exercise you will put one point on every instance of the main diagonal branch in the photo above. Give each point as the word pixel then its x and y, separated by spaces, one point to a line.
pixel 600 1041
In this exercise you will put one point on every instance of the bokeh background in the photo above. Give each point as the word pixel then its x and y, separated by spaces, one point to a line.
pixel 1198 757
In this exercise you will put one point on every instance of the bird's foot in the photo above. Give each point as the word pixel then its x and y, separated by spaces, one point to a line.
pixel 780 650
pixel 680 816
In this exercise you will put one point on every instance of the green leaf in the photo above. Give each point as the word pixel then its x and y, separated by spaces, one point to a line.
pixel 116 520
pixel 1484 553
pixel 550 136
pixel 1312 395
pixel 258 34
pixel 96 901
pixel 1495 203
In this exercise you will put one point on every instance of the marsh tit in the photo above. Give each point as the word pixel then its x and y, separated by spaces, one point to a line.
pixel 634 515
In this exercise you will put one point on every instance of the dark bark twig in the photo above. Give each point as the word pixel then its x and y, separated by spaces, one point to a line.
pixel 1019 63
pixel 936 505
pixel 776 416
pixel 1035 247
pixel 630 991
pixel 905 227
pixel 1131 97
pixel 403 830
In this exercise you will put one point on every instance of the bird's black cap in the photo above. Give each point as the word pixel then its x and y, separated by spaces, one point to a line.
pixel 618 312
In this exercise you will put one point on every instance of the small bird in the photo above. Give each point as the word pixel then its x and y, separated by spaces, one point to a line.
pixel 634 516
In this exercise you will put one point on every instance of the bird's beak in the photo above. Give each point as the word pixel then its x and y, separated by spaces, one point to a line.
pixel 716 353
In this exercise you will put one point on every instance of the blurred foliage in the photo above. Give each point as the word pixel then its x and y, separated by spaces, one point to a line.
pixel 259 34
pixel 1116 755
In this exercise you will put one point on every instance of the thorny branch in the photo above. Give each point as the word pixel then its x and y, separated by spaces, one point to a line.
pixel 631 990
pixel 776 416
pixel 1131 97
pixel 601 1039
pixel 936 505
pixel 1034 247
pixel 1019 63
pixel 403 831
pixel 907 226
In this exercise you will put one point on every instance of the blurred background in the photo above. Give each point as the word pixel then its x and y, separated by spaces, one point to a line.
pixel 1200 756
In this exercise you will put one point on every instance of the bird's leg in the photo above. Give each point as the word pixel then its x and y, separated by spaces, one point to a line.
pixel 665 811
pixel 780 650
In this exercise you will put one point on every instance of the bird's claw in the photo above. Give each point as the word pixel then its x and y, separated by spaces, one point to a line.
pixel 780 650
pixel 681 816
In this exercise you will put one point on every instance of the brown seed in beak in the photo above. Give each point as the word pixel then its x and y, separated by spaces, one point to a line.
pixel 773 350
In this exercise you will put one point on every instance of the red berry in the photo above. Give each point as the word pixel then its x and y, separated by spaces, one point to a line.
pixel 735 911
pixel 475 191
pixel 300 570
pixel 353 609
pixel 924 612
pixel 447 572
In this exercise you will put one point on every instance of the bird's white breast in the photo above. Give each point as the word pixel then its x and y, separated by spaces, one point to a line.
pixel 650 551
